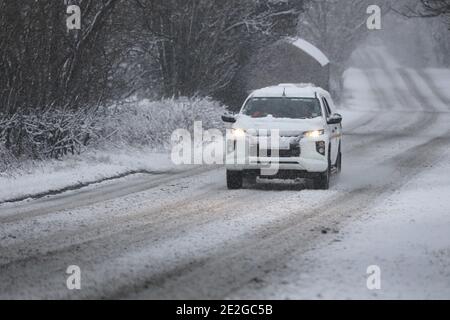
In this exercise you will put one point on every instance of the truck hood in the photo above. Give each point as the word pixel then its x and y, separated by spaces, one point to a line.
pixel 284 125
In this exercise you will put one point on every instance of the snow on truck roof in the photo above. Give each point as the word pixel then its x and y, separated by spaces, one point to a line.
pixel 293 90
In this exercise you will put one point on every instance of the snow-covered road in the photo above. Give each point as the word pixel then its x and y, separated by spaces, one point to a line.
pixel 184 235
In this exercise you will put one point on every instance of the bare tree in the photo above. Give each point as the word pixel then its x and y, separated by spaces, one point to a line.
pixel 44 64
pixel 46 68
pixel 424 9
pixel 337 27
pixel 175 47
pixel 200 44
pixel 438 12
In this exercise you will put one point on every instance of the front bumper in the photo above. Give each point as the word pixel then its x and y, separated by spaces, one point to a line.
pixel 309 160
pixel 300 164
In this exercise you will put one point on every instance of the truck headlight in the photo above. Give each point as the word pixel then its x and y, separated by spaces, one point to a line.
pixel 314 133
pixel 237 133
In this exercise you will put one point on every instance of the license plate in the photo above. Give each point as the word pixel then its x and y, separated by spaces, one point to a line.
pixel 265 143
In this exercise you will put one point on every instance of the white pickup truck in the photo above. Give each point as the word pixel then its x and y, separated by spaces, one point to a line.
pixel 309 130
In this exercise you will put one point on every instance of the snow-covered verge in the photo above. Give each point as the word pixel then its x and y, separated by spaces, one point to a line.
pixel 49 176
pixel 406 235
pixel 132 136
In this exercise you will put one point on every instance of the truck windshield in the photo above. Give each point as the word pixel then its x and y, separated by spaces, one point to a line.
pixel 292 108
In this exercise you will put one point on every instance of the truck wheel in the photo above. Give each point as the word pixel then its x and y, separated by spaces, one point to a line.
pixel 322 182
pixel 251 179
pixel 234 179
pixel 339 161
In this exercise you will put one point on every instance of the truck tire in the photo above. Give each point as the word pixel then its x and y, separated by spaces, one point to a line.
pixel 322 182
pixel 250 179
pixel 234 179
pixel 339 161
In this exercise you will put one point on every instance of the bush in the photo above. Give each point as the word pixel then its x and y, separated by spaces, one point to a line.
pixel 151 123
pixel 53 134
pixel 6 158
pixel 50 134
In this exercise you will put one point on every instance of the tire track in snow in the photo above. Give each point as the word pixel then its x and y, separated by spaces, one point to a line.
pixel 86 197
pixel 242 266
pixel 112 245
pixel 393 130
pixel 174 210
pixel 433 87
pixel 426 120
pixel 415 91
pixel 79 186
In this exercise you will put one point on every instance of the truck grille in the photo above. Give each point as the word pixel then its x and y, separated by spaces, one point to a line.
pixel 293 152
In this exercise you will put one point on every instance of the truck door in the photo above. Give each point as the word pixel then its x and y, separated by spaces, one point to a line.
pixel 334 131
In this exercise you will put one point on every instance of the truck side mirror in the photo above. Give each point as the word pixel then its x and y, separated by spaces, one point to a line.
pixel 228 119
pixel 335 119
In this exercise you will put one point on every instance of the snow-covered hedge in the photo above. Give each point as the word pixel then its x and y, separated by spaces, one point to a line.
pixel 45 134
pixel 6 158
pixel 151 123
pixel 134 123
